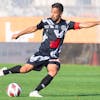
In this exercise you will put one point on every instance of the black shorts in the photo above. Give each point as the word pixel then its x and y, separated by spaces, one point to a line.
pixel 39 61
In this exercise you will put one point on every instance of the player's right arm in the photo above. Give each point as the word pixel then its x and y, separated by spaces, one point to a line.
pixel 28 30
pixel 25 31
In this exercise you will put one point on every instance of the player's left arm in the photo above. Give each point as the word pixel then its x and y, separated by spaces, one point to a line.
pixel 89 24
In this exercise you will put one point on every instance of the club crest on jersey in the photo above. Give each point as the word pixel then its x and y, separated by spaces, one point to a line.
pixel 64 28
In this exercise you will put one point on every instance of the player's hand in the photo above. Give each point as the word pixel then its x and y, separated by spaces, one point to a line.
pixel 15 36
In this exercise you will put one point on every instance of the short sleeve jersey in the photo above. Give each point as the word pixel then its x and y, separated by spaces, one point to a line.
pixel 53 35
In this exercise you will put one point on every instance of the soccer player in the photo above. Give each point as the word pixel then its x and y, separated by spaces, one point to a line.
pixel 54 29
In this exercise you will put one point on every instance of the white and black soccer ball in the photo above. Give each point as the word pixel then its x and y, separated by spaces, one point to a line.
pixel 13 90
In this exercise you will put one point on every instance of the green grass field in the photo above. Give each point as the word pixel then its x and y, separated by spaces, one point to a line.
pixel 73 82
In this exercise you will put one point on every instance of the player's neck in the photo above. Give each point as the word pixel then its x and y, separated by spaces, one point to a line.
pixel 58 21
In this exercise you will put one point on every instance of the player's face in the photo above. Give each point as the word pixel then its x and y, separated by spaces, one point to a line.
pixel 55 14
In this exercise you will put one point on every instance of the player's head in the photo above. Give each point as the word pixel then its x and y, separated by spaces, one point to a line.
pixel 56 11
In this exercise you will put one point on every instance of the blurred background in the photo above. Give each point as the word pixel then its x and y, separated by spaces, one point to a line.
pixel 80 46
pixel 80 8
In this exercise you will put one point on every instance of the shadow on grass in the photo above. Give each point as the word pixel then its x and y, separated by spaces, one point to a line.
pixel 66 95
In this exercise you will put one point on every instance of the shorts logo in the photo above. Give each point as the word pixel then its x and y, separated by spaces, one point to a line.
pixel 38 58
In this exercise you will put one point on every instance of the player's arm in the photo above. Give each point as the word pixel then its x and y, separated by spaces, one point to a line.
pixel 25 31
pixel 28 30
pixel 89 24
pixel 79 25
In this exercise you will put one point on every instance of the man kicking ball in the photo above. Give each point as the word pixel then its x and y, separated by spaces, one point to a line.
pixel 54 30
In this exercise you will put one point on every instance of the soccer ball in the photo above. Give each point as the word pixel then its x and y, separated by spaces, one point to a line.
pixel 13 90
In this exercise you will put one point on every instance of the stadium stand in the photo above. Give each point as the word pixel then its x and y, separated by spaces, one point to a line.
pixel 37 8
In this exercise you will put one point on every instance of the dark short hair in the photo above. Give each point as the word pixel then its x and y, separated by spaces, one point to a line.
pixel 59 6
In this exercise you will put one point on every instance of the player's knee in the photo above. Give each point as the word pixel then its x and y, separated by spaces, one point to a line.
pixel 52 73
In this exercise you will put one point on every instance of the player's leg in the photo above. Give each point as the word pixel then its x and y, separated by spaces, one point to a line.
pixel 20 69
pixel 52 68
pixel 52 71
pixel 17 69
